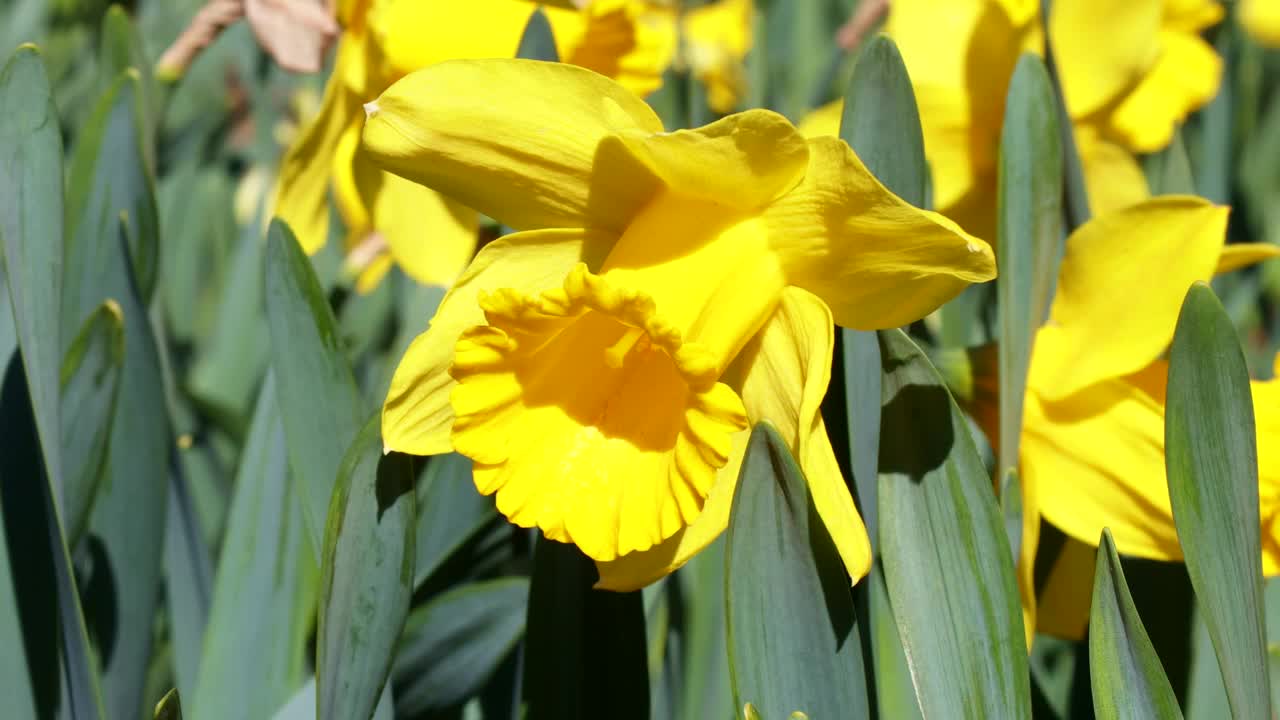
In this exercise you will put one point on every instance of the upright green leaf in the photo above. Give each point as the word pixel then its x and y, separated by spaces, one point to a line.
pixel 881 122
pixel 793 641
pixel 706 688
pixel 1128 681
pixel 450 512
pixel 169 707
pixel 318 397
pixel 538 41
pixel 120 48
pixel 110 178
pixel 453 644
pixel 1169 171
pixel 90 381
pixel 62 673
pixel 1075 202
pixel 1028 239
pixel 265 587
pixel 31 232
pixel 366 575
pixel 585 650
pixel 946 558
pixel 1211 460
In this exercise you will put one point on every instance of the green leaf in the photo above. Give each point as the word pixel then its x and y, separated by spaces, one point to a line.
pixel 706 689
pixel 585 650
pixel 538 42
pixel 255 651
pixel 120 49
pixel 1128 680
pixel 946 558
pixel 90 380
pixel 169 707
pixel 453 644
pixel 787 595
pixel 881 122
pixel 188 575
pixel 302 706
pixel 1029 237
pixel 366 575
pixel 109 178
pixel 31 231
pixel 44 582
pixel 1169 171
pixel 317 392
pixel 450 512
pixel 1076 210
pixel 1212 465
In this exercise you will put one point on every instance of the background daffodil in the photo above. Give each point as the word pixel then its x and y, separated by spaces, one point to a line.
pixel 602 367
pixel 1131 72
pixel 1262 19
pixel 388 219
pixel 717 37
pixel 1092 446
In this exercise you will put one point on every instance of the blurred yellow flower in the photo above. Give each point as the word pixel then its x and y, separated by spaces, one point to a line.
pixel 1261 18
pixel 388 219
pixel 602 366
pixel 1131 71
pixel 717 37
pixel 1092 448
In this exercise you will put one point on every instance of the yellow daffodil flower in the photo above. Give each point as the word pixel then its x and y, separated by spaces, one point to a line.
pixel 667 289
pixel 717 37
pixel 389 219
pixel 1092 446
pixel 1131 71
pixel 1261 18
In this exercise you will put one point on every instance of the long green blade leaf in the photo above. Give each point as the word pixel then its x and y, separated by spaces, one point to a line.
pixel 793 641
pixel 946 558
pixel 366 575
pixel 1128 680
pixel 1211 460
pixel 318 397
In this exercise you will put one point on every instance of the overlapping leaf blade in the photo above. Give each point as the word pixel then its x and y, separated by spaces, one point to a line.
pixel 1128 681
pixel 793 640
pixel 367 571
pixel 946 558
pixel 1212 466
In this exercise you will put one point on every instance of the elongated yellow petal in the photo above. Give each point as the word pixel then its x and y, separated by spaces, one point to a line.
pixel 1262 19
pixel 1120 288
pixel 302 194
pixel 742 161
pixel 515 139
pixel 1099 65
pixel 877 261
pixel 1240 255
pixel 1097 460
pixel 783 374
pixel 788 369
pixel 1182 80
pixel 1112 176
pixel 417 417
pixel 431 237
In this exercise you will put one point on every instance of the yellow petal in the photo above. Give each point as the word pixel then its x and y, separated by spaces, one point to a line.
pixel 1240 255
pixel 1067 594
pixel 631 41
pixel 1112 176
pixel 589 415
pixel 1097 460
pixel 1098 65
pixel 1183 79
pixel 824 121
pixel 431 237
pixel 302 194
pixel 742 161
pixel 514 139
pixel 1266 417
pixel 1119 290
pixel 717 37
pixel 414 35
pixel 1261 18
pixel 877 261
pixel 417 417
pixel 783 374
pixel 788 368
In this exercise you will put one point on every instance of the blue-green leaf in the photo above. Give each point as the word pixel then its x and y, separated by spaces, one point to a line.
pixel 317 392
pixel 453 644
pixel 538 42
pixel 450 512
pixel 366 575
pixel 793 640
pixel 1212 466
pixel 946 558
pixel 1128 680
